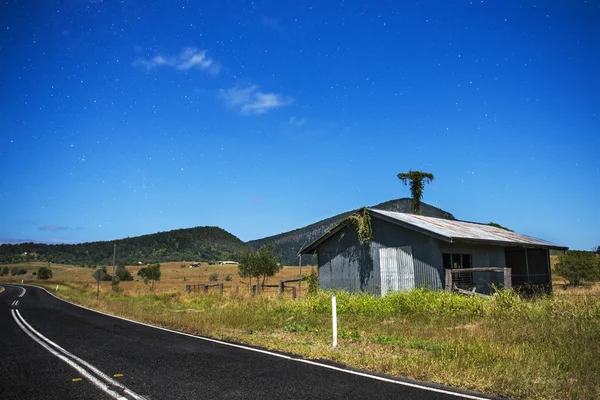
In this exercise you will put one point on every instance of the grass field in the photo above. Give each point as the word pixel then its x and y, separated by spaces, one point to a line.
pixel 544 348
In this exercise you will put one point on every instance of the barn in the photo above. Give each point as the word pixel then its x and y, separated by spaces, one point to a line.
pixel 407 251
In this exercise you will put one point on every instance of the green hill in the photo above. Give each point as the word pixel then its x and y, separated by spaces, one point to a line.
pixel 205 243
pixel 288 244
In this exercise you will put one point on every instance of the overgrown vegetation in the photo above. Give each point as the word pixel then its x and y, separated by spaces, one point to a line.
pixel 362 220
pixel 416 180
pixel 543 348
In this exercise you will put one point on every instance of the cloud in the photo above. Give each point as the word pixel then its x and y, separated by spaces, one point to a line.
pixel 53 228
pixel 297 121
pixel 189 58
pixel 251 101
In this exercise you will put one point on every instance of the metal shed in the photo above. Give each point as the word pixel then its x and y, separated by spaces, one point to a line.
pixel 408 251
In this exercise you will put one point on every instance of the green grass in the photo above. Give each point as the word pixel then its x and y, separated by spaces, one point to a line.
pixel 543 348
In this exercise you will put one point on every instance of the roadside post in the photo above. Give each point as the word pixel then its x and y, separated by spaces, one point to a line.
pixel 334 320
pixel 98 276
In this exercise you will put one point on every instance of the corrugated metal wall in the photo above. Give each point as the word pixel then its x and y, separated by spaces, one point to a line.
pixel 427 258
pixel 344 263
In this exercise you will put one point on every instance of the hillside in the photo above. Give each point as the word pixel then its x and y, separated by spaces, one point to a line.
pixel 198 244
pixel 288 244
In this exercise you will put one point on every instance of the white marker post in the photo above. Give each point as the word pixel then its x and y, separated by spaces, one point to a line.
pixel 334 320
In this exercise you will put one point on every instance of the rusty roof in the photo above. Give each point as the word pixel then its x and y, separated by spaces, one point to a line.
pixel 454 230
pixel 446 230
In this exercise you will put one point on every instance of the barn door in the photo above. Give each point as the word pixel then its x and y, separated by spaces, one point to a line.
pixel 397 269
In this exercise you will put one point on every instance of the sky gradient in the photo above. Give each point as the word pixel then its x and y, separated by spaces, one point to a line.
pixel 124 118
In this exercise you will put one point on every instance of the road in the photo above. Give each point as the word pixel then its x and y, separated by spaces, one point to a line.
pixel 51 349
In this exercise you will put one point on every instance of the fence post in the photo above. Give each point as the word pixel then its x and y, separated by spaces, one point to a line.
pixel 187 288
pixel 237 290
pixel 221 288
pixel 448 279
pixel 507 278
pixel 205 289
pixel 280 289
pixel 293 292
pixel 334 320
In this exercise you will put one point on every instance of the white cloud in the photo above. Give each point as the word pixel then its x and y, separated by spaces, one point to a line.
pixel 188 58
pixel 251 101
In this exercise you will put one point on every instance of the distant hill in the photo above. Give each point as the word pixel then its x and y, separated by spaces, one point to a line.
pixel 288 244
pixel 206 243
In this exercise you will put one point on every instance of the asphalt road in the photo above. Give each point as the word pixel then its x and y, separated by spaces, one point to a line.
pixel 50 349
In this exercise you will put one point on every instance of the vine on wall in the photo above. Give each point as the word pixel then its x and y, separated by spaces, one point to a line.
pixel 362 220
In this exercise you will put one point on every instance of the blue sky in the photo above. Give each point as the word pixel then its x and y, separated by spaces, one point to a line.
pixel 126 118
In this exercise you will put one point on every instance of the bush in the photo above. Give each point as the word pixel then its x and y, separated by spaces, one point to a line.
pixel 14 271
pixel 122 274
pixel 44 273
pixel 5 271
pixel 578 266
pixel 213 277
pixel 228 278
pixel 313 283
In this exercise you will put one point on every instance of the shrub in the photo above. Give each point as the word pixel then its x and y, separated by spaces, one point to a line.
pixel 14 271
pixel 44 273
pixel 213 277
pixel 228 278
pixel 5 271
pixel 313 283
pixel 122 274
pixel 578 266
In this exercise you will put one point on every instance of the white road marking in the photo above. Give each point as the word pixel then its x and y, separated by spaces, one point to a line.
pixel 47 343
pixel 300 360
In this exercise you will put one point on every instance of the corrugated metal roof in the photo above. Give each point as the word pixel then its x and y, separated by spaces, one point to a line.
pixel 460 230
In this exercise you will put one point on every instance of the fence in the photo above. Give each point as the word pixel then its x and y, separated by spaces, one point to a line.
pixel 461 273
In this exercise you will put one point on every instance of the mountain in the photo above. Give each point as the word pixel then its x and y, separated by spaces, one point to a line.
pixel 288 244
pixel 206 243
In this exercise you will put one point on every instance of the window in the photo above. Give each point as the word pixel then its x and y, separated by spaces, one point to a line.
pixel 455 261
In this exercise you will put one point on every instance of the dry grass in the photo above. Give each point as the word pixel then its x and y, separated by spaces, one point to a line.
pixel 173 277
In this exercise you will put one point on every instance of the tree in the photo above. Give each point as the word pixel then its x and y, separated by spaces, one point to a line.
pixel 416 179
pixel 44 273
pixel 254 264
pixel 150 274
pixel 122 274
pixel 14 271
pixel 5 271
pixel 578 266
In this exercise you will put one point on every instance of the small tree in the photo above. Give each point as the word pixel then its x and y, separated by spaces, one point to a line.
pixel 44 273
pixel 14 271
pixel 213 277
pixel 262 263
pixel 122 274
pixel 5 271
pixel 416 179
pixel 578 266
pixel 150 274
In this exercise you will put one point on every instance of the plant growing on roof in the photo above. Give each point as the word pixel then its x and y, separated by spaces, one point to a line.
pixel 362 220
pixel 416 179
